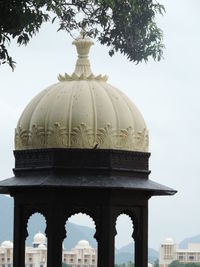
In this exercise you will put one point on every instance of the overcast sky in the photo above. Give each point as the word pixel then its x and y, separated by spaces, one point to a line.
pixel 167 94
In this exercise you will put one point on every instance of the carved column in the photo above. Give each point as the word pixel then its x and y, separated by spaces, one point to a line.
pixel 106 237
pixel 141 238
pixel 55 233
pixel 20 234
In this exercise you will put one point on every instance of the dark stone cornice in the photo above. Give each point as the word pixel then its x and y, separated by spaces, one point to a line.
pixel 81 160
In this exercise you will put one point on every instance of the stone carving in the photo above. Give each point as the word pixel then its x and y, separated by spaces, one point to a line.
pixel 75 77
pixel 81 136
pixel 21 138
pixel 38 136
pixel 107 137
pixel 57 135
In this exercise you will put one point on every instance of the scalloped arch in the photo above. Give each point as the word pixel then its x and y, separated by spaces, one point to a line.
pixel 86 212
pixel 133 218
pixel 31 212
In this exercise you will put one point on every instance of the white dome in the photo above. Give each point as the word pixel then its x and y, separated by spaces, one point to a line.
pixel 42 246
pixel 7 244
pixel 81 111
pixel 83 244
pixel 39 238
pixel 169 241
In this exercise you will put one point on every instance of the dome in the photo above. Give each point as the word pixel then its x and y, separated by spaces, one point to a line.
pixel 83 244
pixel 7 244
pixel 81 111
pixel 169 241
pixel 42 246
pixel 39 238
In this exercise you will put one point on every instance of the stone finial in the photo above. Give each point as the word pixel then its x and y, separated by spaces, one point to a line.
pixel 82 69
pixel 83 44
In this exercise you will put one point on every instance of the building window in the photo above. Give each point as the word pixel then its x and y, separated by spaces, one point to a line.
pixel 9 265
pixel 41 265
pixel 79 260
pixel 191 258
pixel 30 259
pixel 2 259
pixel 181 258
pixel 3 265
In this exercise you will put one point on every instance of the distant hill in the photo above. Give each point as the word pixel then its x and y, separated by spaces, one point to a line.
pixel 6 218
pixel 78 232
pixel 194 239
pixel 126 254
pixel 75 232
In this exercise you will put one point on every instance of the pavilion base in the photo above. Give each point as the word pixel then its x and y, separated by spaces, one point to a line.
pixel 103 184
pixel 103 206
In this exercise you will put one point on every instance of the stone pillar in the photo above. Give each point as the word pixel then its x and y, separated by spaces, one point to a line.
pixel 55 233
pixel 106 238
pixel 141 238
pixel 20 234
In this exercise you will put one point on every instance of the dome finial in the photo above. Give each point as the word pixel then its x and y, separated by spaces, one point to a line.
pixel 83 44
pixel 82 70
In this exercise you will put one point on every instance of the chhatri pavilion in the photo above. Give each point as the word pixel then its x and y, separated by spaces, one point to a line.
pixel 81 145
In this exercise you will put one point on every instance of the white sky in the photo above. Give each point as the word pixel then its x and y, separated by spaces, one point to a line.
pixel 166 93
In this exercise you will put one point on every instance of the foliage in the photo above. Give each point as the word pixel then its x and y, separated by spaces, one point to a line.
pixel 175 264
pixel 129 264
pixel 127 26
pixel 65 265
pixel 178 264
pixel 156 263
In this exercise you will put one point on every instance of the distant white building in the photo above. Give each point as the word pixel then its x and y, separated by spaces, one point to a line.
pixel 36 256
pixel 169 251
pixel 6 254
pixel 82 255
